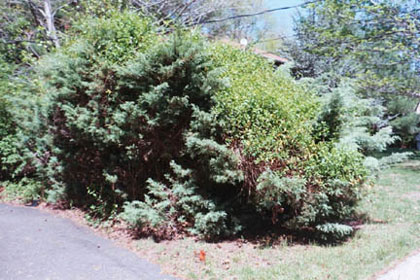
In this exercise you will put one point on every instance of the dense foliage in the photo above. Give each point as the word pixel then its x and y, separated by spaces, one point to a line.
pixel 374 43
pixel 132 119
pixel 5 121
pixel 13 164
pixel 270 121
pixel 175 134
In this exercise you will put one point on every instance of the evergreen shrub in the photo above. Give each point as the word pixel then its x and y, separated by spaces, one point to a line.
pixel 291 176
pixel 355 123
pixel 9 153
pixel 5 125
pixel 130 120
pixel 183 135
pixel 405 121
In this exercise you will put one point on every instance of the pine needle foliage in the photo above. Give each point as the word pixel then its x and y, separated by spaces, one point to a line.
pixel 355 123
pixel 179 205
pixel 6 128
pixel 117 113
pixel 181 135
pixel 12 163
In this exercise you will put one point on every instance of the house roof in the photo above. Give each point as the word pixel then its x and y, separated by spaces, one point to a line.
pixel 277 60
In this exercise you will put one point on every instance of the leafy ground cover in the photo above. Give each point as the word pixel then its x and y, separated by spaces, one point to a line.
pixel 390 233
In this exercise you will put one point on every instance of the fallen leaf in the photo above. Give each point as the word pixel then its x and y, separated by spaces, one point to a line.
pixel 202 256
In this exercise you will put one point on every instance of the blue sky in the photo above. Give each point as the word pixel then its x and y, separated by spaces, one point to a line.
pixel 284 19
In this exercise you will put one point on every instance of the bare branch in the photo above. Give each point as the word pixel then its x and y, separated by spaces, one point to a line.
pixel 33 8
pixel 49 19
pixel 256 14
pixel 60 7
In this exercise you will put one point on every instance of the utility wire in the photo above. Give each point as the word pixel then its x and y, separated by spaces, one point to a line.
pixel 268 11
pixel 254 14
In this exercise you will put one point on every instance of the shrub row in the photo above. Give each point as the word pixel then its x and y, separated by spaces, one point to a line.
pixel 180 135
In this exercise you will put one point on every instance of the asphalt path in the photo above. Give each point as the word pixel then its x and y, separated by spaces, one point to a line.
pixel 38 245
pixel 409 269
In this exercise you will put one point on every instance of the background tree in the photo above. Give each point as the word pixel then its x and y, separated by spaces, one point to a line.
pixel 35 26
pixel 375 43
pixel 32 26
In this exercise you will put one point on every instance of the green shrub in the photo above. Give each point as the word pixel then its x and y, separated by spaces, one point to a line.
pixel 103 208
pixel 20 129
pixel 408 127
pixel 115 114
pixel 11 164
pixel 373 164
pixel 183 135
pixel 404 120
pixel 5 124
pixel 26 189
pixel 334 184
pixel 292 176
pixel 267 111
pixel 353 122
pixel 167 209
pixel 113 41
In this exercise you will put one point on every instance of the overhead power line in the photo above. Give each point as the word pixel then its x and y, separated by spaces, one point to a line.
pixel 255 14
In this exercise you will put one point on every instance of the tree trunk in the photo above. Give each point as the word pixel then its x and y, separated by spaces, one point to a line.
pixel 49 20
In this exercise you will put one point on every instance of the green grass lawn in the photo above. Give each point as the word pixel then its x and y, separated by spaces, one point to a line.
pixel 393 209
